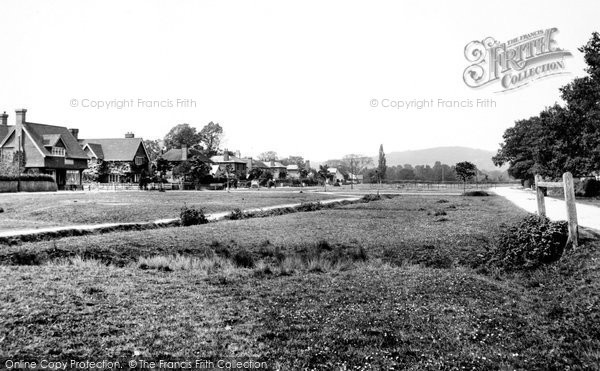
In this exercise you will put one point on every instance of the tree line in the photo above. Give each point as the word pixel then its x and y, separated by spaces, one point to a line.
pixel 562 137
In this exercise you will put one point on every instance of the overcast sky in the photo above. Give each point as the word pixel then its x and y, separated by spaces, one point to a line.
pixel 294 77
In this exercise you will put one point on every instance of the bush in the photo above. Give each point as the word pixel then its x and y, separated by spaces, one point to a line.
pixel 191 216
pixel 369 198
pixel 310 206
pixel 236 214
pixel 476 193
pixel 588 188
pixel 530 243
pixel 244 259
pixel 23 257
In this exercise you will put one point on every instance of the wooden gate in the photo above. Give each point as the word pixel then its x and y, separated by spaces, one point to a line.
pixel 567 185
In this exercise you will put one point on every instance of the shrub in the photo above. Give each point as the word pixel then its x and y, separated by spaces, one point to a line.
pixel 28 177
pixel 191 216
pixel 476 193
pixel 23 257
pixel 244 259
pixel 310 206
pixel 588 188
pixel 323 245
pixel 359 254
pixel 369 198
pixel 530 243
pixel 236 214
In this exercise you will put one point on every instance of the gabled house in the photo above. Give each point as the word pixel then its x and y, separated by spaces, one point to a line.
pixel 45 149
pixel 277 168
pixel 238 166
pixel 355 178
pixel 293 171
pixel 336 175
pixel 177 156
pixel 126 158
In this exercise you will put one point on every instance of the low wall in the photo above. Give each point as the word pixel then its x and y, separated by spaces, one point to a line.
pixel 27 186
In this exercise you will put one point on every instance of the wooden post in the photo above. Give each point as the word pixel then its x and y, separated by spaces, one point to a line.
pixel 539 193
pixel 571 208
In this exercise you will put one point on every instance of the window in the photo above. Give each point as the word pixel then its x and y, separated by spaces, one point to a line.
pixel 72 177
pixel 139 160
pixel 69 161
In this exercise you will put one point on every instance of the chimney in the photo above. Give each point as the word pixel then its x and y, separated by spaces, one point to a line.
pixel 249 161
pixel 307 165
pixel 226 155
pixel 75 133
pixel 272 163
pixel 21 116
pixel 129 135
pixel 184 152
pixel 238 154
pixel 4 119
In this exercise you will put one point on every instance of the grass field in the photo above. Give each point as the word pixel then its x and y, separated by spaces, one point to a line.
pixel 391 284
pixel 31 210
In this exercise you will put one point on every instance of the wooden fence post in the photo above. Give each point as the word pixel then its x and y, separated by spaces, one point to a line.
pixel 571 209
pixel 539 194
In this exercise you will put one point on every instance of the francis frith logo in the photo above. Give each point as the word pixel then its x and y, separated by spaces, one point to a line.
pixel 516 62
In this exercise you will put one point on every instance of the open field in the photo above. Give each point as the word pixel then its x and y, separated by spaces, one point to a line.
pixel 31 210
pixel 391 284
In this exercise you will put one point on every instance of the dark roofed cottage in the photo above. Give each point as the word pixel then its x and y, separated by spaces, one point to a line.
pixel 47 149
pixel 127 157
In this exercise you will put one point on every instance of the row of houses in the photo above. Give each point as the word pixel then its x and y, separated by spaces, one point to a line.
pixel 238 165
pixel 58 151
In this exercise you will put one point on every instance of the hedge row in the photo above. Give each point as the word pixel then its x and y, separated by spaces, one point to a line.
pixel 28 177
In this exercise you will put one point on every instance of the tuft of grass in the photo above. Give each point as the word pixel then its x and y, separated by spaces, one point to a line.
pixel 476 193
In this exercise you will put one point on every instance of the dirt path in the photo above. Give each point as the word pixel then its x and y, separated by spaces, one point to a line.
pixel 587 215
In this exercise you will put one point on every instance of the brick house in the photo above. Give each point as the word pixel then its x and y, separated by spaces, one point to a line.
pixel 238 165
pixel 46 149
pixel 126 158
pixel 177 156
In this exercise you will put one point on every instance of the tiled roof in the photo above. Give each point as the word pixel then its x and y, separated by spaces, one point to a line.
pixel 117 149
pixel 232 159
pixel 51 139
pixel 273 164
pixel 259 164
pixel 97 149
pixel 176 154
pixel 39 132
pixel 4 130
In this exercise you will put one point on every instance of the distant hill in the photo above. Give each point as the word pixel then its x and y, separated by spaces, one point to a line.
pixel 447 155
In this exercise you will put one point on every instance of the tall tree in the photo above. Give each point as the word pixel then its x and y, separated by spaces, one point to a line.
pixel 153 148
pixel 323 173
pixel 268 156
pixel 210 137
pixel 560 138
pixel 465 170
pixel 182 134
pixel 381 167
pixel 356 164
